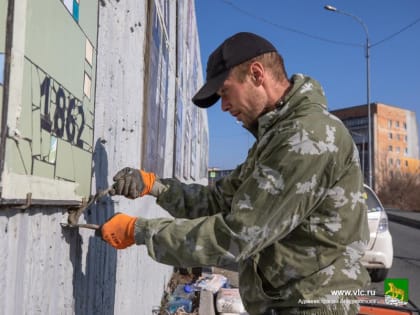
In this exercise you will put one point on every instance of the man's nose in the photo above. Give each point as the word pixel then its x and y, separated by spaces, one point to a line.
pixel 225 104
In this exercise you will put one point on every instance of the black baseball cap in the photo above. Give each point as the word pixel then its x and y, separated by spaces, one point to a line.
pixel 232 52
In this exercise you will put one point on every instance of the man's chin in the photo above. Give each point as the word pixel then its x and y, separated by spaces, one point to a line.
pixel 251 127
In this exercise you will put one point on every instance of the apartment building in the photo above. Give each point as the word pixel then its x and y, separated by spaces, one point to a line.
pixel 395 140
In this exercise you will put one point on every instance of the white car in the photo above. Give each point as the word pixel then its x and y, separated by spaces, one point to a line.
pixel 379 254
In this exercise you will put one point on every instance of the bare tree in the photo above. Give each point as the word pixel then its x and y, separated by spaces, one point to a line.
pixel 401 190
pixel 397 188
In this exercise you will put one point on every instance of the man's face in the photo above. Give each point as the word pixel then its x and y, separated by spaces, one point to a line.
pixel 243 100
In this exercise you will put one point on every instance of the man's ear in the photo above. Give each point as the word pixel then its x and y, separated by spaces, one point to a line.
pixel 257 72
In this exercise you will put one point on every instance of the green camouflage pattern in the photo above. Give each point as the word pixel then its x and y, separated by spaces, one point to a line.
pixel 292 215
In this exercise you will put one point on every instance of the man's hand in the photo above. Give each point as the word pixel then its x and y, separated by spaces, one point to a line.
pixel 132 183
pixel 118 231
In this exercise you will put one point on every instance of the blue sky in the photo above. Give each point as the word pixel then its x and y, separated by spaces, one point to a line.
pixel 324 45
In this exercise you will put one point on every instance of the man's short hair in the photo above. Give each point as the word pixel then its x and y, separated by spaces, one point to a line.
pixel 272 61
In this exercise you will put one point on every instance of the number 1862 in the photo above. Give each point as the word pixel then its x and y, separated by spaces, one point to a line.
pixel 68 119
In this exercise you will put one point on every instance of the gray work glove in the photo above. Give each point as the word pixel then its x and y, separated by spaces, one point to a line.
pixel 129 183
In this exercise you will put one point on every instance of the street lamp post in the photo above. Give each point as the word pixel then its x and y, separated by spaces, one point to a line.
pixel 362 159
pixel 367 46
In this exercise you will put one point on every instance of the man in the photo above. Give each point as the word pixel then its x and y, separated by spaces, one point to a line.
pixel 292 215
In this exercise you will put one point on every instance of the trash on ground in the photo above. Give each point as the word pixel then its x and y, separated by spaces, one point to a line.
pixel 228 300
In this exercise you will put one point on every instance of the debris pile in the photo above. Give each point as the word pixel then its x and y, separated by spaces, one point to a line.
pixel 183 295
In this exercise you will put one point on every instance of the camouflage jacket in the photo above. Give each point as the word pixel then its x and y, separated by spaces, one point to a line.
pixel 292 215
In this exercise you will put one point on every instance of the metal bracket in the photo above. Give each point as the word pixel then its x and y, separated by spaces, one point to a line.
pixel 76 212
pixel 28 202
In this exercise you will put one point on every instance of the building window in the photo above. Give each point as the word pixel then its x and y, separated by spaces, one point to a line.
pixel 398 137
pixel 390 148
pixel 356 122
pixel 406 163
pixel 406 151
pixel 398 162
pixel 391 161
pixel 398 149
pixel 397 124
pixel 405 125
pixel 389 123
pixel 405 138
pixel 390 135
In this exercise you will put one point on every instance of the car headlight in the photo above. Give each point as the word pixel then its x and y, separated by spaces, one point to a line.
pixel 383 223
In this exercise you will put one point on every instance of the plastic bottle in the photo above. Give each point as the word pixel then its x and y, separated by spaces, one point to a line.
pixel 212 282
pixel 182 297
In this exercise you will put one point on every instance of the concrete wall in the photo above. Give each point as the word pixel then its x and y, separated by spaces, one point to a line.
pixel 50 270
pixel 413 131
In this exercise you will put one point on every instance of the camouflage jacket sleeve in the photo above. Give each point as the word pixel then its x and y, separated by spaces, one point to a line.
pixel 193 200
pixel 284 178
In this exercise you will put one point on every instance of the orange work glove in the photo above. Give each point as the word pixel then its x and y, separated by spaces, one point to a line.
pixel 148 181
pixel 132 183
pixel 118 231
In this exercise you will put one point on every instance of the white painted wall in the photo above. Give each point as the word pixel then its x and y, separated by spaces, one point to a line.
pixel 139 282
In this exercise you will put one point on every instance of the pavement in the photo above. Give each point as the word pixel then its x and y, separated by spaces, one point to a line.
pixel 409 218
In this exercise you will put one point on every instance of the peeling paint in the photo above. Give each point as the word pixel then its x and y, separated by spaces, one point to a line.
pixel 50 270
